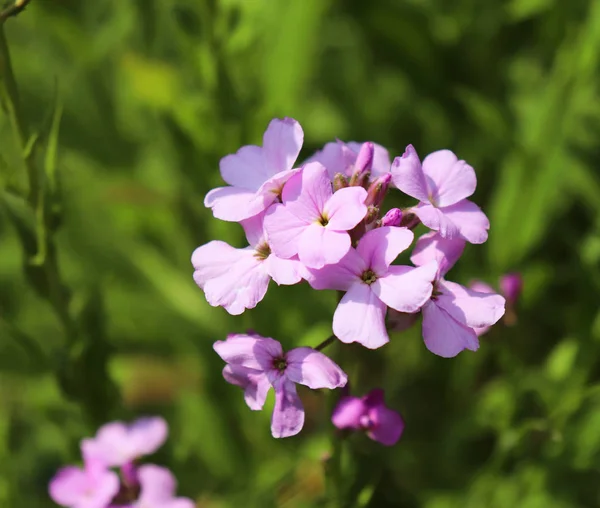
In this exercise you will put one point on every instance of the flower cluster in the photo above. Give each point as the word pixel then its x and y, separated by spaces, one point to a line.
pixel 118 445
pixel 323 222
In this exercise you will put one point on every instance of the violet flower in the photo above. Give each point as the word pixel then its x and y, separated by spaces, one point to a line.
pixel 157 489
pixel 511 286
pixel 370 414
pixel 313 222
pixel 372 284
pixel 256 175
pixel 237 279
pixel 258 364
pixel 453 312
pixel 441 184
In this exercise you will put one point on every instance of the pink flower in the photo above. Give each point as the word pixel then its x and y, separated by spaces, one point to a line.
pixel 370 414
pixel 118 443
pixel 441 184
pixel 372 285
pixel 158 487
pixel 256 174
pixel 258 363
pixel 453 313
pixel 481 287
pixel 340 157
pixel 313 222
pixel 237 279
pixel 94 486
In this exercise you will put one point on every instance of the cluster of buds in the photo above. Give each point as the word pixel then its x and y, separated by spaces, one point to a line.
pixel 323 222
pixel 98 485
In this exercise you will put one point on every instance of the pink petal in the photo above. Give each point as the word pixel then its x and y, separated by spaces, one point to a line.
pixel 283 271
pixel 249 351
pixel 283 231
pixel 320 246
pixel 253 227
pixel 387 425
pixel 180 502
pixel 469 307
pixel 245 169
pixel 337 157
pixel 273 187
pixel 432 247
pixel 306 193
pixel 360 317
pixel 379 247
pixel 443 335
pixel 288 413
pixel 481 287
pixel 381 158
pixel 313 369
pixel 282 142
pixel 254 382
pixel 404 288
pixel 407 175
pixel 148 434
pixel 232 204
pixel 69 485
pixel 242 287
pixel 348 412
pixel 448 179
pixel 346 208
pixel 157 484
pixel 110 447
pixel 435 218
pixel 215 259
pixel 340 275
pixel 471 222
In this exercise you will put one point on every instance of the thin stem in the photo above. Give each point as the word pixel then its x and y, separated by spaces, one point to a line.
pixel 325 343
pixel 13 10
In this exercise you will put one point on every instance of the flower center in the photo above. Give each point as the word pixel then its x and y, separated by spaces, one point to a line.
pixel 262 251
pixel 280 364
pixel 436 291
pixel 369 277
pixel 323 220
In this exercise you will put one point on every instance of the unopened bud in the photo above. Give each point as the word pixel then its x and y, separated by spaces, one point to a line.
pixel 362 166
pixel 511 286
pixel 372 214
pixel 409 220
pixel 339 182
pixel 392 218
pixel 377 190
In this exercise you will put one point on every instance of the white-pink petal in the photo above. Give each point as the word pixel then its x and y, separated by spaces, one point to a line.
pixel 407 175
pixel 339 276
pixel 283 271
pixel 283 230
pixel 405 288
pixel 443 335
pixel 379 247
pixel 312 368
pixel 435 218
pixel 232 203
pixel 320 246
pixel 346 208
pixel 245 169
pixel 282 142
pixel 288 413
pixel 471 222
pixel 449 180
pixel 433 247
pixel 306 193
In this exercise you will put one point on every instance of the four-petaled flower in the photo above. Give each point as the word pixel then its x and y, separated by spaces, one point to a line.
pixel 313 221
pixel 441 184
pixel 372 284
pixel 258 363
pixel 370 414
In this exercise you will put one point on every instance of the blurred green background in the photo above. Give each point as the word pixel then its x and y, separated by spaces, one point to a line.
pixel 152 94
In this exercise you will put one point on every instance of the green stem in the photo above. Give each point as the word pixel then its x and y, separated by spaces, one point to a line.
pixel 325 343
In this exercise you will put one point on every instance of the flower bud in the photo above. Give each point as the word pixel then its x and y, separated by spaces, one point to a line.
pixel 511 286
pixel 392 218
pixel 377 190
pixel 362 166
pixel 339 182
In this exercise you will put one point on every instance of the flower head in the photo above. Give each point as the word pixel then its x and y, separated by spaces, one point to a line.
pixel 372 284
pixel 258 364
pixel 313 221
pixel 441 184
pixel 157 489
pixel 255 174
pixel 370 414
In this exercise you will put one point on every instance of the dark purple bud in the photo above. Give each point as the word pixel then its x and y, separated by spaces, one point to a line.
pixel 339 182
pixel 392 218
pixel 377 190
pixel 511 286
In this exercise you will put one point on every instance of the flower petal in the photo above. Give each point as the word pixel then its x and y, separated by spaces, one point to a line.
pixel 283 231
pixel 312 368
pixel 469 307
pixel 255 384
pixel 232 204
pixel 435 218
pixel 306 193
pixel 360 317
pixel 288 413
pixel 387 425
pixel 407 175
pixel 320 246
pixel 157 484
pixel 253 227
pixel 69 485
pixel 346 208
pixel 379 247
pixel 249 351
pixel 404 288
pixel 284 271
pixel 432 247
pixel 337 157
pixel 339 276
pixel 347 413
pixel 245 169
pixel 282 142
pixel 148 434
pixel 471 222
pixel 443 335
pixel 449 180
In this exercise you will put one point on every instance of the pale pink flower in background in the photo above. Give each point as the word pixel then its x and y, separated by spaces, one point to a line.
pixel 157 489
pixel 441 184
pixel 453 312
pixel 370 414
pixel 313 221
pixel 237 279
pixel 372 284
pixel 258 364
pixel 257 174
